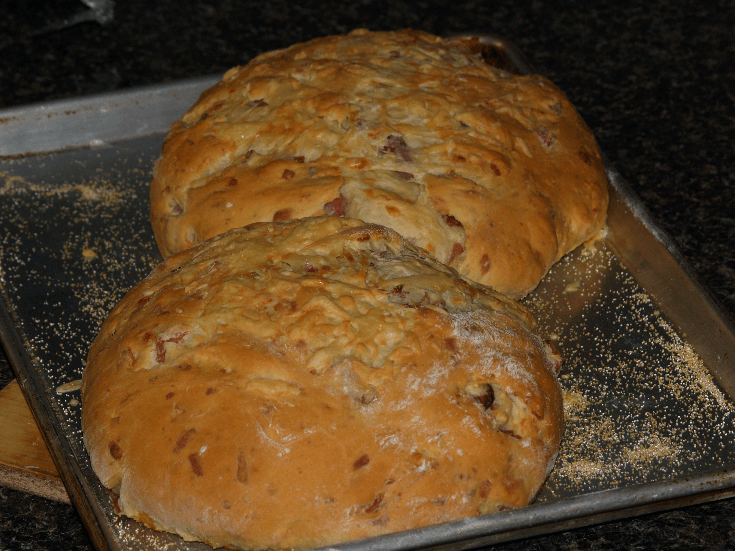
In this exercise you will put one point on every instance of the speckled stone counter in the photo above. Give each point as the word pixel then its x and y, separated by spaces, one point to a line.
pixel 654 80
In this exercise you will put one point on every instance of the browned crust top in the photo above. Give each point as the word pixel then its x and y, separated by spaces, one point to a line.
pixel 308 382
pixel 495 174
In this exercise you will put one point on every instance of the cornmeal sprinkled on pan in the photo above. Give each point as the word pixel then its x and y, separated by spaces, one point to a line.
pixel 640 405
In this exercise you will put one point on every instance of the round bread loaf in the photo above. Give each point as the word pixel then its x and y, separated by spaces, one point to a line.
pixel 308 382
pixel 494 174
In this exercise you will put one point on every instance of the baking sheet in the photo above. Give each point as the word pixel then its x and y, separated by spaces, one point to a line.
pixel 649 379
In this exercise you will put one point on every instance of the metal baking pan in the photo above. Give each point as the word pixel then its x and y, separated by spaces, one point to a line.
pixel 649 379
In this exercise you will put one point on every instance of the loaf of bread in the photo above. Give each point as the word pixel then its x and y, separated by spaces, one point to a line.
pixel 495 174
pixel 307 382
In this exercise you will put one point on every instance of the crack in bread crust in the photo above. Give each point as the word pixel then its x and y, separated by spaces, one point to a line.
pixel 316 369
pixel 407 128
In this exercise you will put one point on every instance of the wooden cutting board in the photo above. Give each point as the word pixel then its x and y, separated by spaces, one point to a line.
pixel 25 463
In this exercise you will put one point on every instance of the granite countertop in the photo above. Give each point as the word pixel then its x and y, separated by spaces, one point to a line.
pixel 654 80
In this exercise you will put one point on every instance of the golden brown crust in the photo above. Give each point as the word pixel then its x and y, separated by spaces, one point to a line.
pixel 314 381
pixel 493 173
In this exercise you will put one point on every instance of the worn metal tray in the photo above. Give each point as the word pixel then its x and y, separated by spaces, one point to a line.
pixel 650 374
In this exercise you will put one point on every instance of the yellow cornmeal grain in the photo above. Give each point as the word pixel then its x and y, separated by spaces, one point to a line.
pixel 640 405
pixel 92 191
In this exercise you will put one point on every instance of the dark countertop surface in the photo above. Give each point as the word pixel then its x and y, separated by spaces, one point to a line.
pixel 654 79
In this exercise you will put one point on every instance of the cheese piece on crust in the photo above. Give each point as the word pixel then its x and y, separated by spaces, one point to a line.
pixel 495 174
pixel 308 382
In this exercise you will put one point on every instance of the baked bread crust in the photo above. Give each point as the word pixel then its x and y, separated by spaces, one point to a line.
pixel 313 381
pixel 494 174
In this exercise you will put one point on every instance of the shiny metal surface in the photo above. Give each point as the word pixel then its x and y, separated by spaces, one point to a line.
pixel 97 120
pixel 649 379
